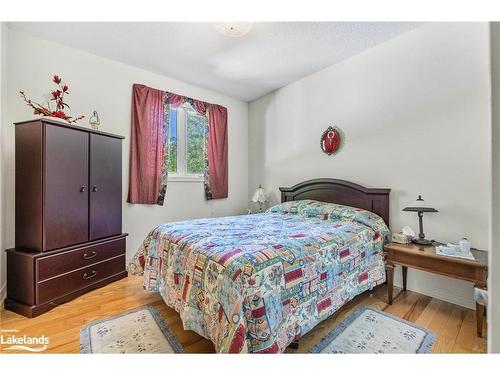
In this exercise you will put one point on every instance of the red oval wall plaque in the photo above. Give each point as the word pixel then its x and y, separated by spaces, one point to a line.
pixel 330 140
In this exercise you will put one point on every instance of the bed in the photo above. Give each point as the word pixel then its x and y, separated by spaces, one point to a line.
pixel 255 283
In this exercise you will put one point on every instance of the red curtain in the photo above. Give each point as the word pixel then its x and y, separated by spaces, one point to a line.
pixel 146 144
pixel 217 151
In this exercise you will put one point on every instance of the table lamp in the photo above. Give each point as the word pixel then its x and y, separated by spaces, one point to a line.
pixel 421 240
pixel 260 197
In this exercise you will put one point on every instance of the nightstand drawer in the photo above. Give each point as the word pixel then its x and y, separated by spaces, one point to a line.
pixel 435 265
pixel 425 258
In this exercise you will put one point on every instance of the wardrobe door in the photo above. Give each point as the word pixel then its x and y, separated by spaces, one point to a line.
pixel 105 186
pixel 65 187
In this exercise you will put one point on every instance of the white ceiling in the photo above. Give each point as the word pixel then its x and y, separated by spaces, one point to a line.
pixel 271 56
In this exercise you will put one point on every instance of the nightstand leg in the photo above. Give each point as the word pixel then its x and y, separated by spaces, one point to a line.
pixel 390 281
pixel 479 319
pixel 405 274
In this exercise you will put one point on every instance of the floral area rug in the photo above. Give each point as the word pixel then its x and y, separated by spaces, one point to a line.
pixel 138 331
pixel 372 331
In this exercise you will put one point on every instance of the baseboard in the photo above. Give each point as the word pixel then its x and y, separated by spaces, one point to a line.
pixel 447 289
pixel 3 294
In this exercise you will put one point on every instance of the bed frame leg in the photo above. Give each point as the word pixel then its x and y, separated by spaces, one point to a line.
pixel 294 344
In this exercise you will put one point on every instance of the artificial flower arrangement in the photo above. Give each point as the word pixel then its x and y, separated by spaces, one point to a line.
pixel 58 98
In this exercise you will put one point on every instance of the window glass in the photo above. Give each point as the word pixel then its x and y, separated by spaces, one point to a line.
pixel 196 128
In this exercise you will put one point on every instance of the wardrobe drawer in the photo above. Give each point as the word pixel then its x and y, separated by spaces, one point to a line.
pixel 59 286
pixel 67 261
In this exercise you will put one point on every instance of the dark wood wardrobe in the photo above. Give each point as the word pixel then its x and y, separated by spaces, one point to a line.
pixel 68 221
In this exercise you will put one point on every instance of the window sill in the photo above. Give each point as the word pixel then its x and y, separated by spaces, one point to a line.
pixel 198 179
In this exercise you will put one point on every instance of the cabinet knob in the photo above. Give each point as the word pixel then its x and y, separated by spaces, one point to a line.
pixel 94 188
pixel 82 189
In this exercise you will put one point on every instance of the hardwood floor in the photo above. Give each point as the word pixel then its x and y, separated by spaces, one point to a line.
pixel 453 325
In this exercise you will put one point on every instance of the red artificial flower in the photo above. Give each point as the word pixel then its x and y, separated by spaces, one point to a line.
pixel 59 114
pixel 57 96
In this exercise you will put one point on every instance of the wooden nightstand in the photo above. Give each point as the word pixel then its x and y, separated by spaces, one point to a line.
pixel 424 258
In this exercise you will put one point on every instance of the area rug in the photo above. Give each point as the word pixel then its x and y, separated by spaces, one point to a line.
pixel 372 331
pixel 137 331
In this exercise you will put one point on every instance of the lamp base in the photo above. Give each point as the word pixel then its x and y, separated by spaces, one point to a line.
pixel 422 241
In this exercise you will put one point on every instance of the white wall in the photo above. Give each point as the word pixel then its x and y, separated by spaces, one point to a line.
pixel 3 86
pixel 416 116
pixel 106 86
pixel 494 273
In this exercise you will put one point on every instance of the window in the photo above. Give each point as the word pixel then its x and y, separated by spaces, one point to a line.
pixel 188 130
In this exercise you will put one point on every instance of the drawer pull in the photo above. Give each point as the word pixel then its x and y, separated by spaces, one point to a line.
pixel 86 256
pixel 86 276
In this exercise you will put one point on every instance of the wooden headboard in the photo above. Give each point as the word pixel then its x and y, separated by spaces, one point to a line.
pixel 341 192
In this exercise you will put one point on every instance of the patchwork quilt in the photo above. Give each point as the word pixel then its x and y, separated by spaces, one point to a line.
pixel 255 283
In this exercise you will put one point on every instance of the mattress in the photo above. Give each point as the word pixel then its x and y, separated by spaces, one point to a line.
pixel 255 283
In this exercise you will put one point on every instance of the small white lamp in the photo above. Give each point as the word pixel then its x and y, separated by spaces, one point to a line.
pixel 260 197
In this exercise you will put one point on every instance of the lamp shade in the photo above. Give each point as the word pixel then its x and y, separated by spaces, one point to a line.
pixel 419 206
pixel 259 195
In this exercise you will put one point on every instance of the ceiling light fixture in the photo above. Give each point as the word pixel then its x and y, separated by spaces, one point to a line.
pixel 234 29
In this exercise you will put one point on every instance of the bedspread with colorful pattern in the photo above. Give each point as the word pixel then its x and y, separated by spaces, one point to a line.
pixel 255 283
